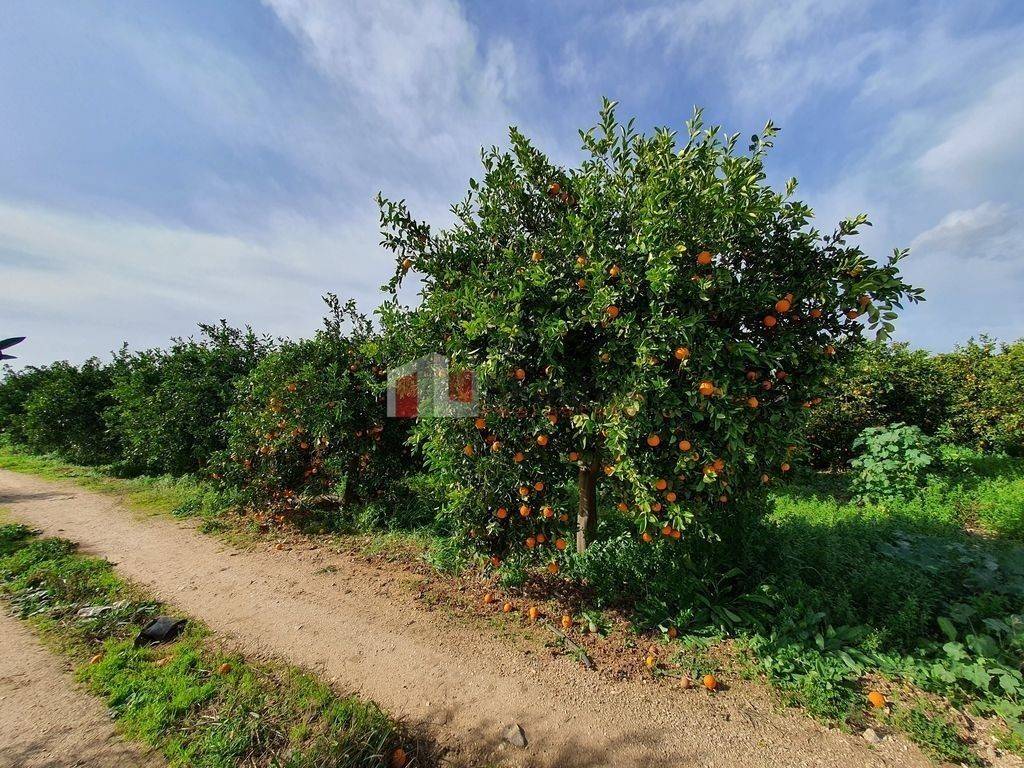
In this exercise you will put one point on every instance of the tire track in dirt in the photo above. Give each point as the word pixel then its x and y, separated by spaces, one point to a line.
pixel 360 627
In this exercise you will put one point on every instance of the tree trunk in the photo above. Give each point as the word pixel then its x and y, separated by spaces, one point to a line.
pixel 586 517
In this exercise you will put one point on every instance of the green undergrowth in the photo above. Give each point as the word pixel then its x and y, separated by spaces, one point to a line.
pixel 197 703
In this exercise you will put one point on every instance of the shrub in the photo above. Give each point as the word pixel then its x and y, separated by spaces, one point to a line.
pixel 169 405
pixel 892 462
pixel 878 385
pixel 656 321
pixel 309 424
pixel 987 406
pixel 15 390
pixel 62 412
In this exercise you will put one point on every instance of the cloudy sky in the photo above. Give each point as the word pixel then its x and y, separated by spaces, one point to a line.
pixel 166 163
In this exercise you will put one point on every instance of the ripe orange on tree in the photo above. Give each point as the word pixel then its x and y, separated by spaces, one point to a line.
pixel 488 310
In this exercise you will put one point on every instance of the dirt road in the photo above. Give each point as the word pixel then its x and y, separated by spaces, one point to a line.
pixel 361 626
pixel 45 721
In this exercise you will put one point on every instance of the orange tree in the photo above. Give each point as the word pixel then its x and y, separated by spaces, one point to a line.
pixel 308 428
pixel 656 322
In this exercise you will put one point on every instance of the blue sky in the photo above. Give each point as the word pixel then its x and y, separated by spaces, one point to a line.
pixel 167 163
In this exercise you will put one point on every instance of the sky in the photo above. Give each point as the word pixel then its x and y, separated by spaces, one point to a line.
pixel 170 163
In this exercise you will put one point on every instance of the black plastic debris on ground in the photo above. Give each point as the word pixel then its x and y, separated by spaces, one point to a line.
pixel 162 629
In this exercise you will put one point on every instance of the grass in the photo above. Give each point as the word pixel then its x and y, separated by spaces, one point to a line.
pixel 834 594
pixel 195 702
pixel 156 495
pixel 934 733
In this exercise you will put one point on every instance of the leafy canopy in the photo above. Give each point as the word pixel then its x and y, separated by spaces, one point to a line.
pixel 659 315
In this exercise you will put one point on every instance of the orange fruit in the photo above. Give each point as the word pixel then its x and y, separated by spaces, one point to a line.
pixel 770 321
pixel 533 613
pixel 524 491
pixel 520 374
pixel 538 486
pixel 710 682
pixel 647 537
pixel 560 544
pixel 552 567
pixel 656 506
pixel 488 598
pixel 682 353
pixel 815 313
pixel 495 446
pixel 573 456
pixel 541 538
pixel 554 188
pixel 830 350
pixel 670 496
pixel 613 271
pixel 785 467
pixel 677 534
pixel 506 608
pixel 581 261
pixel 96 659
pixel 536 256
pixel 581 283
pixel 653 440
pixel 399 758
pixel 542 440
pixel 612 311
pixel 223 669
pixel 566 621
pixel 468 450
pixel 564 517
pixel 853 314
pixel 524 511
pixel 673 633
pixel 876 699
pixel 703 258
pixel 501 513
pixel 666 531
pixel 651 662
pixel 518 458
pixel 531 542
pixel 622 506
pixel 718 464
pixel 661 484
pixel 406 264
pixel 495 561
pixel 548 512
pixel 706 388
pixel 480 424
pixel 685 445
pixel 752 402
pixel 782 306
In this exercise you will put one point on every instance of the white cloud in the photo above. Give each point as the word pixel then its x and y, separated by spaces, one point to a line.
pixel 982 138
pixel 433 84
pixel 769 56
pixel 986 231
pixel 144 282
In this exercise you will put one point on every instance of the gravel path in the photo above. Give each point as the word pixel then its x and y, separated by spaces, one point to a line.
pixel 362 627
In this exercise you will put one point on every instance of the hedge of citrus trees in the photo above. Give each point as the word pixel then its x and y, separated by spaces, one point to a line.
pixel 308 426
pixel 657 334
pixel 656 323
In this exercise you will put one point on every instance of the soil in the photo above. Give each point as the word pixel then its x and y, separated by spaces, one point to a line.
pixel 372 628
pixel 46 721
